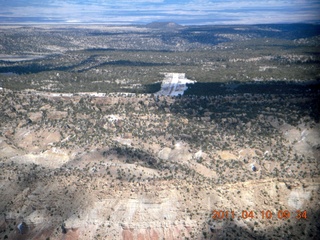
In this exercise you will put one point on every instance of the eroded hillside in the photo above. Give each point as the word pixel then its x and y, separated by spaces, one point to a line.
pixel 155 167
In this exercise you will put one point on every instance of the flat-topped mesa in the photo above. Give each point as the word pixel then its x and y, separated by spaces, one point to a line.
pixel 174 84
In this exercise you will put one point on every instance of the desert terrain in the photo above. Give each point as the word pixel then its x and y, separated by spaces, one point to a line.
pixel 171 135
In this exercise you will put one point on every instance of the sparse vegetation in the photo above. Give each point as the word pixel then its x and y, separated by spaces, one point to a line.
pixel 148 160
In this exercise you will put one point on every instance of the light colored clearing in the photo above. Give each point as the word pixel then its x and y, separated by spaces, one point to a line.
pixel 255 59
pixel 198 154
pixel 7 150
pixel 31 141
pixel 264 68
pixel 123 141
pixel 247 153
pixel 164 153
pixel 56 48
pixel 53 158
pixel 18 58
pixel 174 84
pixel 204 171
pixel 113 118
pixel 302 138
pixel 298 198
pixel 226 155
pixel 92 94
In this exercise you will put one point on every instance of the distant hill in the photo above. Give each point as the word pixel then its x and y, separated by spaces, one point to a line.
pixel 164 25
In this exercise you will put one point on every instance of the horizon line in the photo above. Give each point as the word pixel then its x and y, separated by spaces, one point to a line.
pixel 145 24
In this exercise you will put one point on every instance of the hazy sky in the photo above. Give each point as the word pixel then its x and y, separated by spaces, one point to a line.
pixel 145 11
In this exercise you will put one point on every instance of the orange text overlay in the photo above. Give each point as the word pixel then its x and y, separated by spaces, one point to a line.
pixel 264 214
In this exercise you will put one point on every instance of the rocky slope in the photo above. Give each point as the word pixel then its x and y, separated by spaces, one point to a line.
pixel 120 167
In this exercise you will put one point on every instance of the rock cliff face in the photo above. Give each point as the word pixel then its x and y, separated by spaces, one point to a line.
pixel 78 173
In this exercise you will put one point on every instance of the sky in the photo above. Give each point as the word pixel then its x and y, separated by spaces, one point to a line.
pixel 187 12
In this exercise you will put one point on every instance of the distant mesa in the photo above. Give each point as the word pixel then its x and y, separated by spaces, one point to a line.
pixel 163 25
